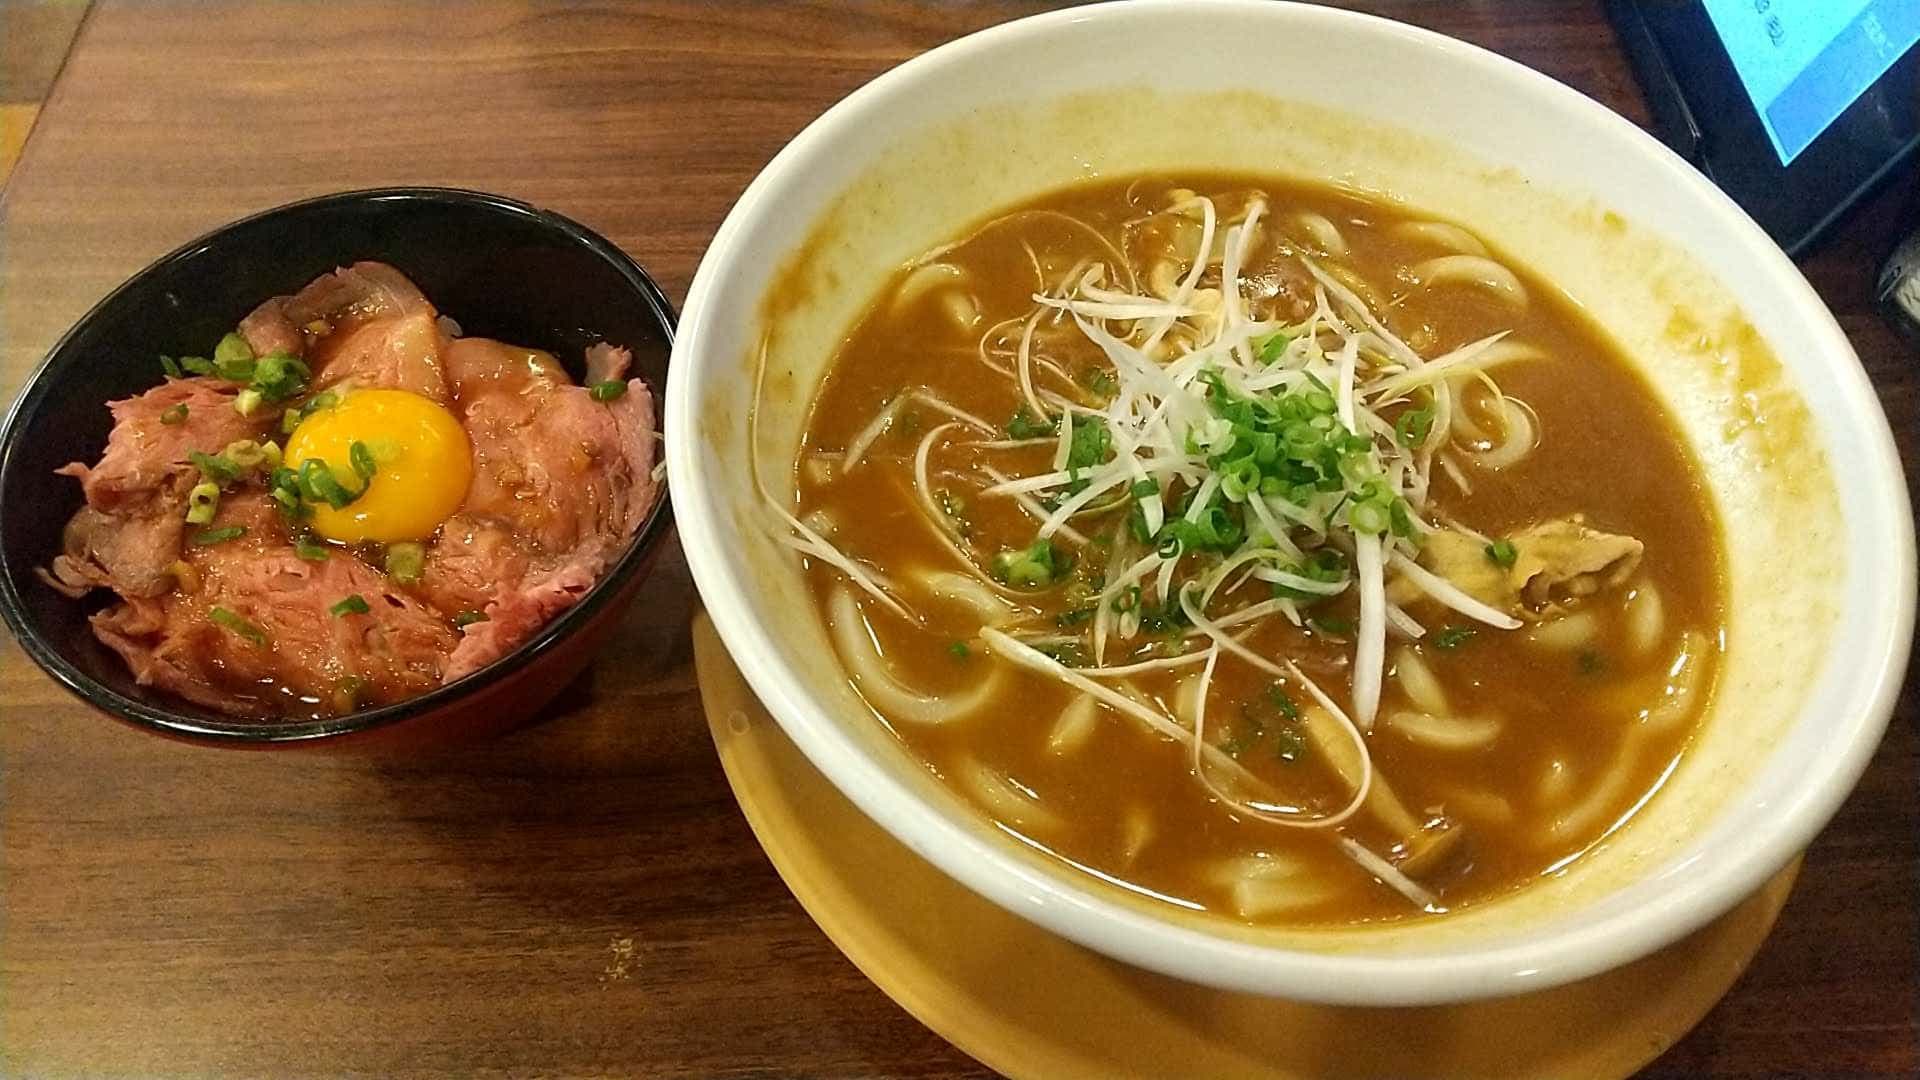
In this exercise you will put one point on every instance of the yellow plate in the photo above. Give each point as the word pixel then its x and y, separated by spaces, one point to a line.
pixel 1030 1004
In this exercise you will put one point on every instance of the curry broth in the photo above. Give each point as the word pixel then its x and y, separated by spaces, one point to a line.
pixel 1577 749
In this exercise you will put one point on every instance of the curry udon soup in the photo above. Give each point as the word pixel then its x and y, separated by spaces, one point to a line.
pixel 1261 548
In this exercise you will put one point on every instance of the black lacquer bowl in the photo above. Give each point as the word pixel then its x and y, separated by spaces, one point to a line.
pixel 501 268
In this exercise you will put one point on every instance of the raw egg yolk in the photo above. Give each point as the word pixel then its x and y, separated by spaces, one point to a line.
pixel 422 463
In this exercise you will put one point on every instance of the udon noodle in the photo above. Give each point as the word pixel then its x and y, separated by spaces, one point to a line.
pixel 1266 549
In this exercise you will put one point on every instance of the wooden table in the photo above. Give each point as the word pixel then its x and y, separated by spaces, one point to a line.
pixel 582 898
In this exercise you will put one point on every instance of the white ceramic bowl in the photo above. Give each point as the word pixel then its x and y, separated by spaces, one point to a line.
pixel 1794 446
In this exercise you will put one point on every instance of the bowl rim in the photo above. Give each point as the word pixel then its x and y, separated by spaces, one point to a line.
pixel 1077 910
pixel 38 386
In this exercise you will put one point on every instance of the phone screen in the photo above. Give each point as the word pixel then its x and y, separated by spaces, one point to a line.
pixel 1804 61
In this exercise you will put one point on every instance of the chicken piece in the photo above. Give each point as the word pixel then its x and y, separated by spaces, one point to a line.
pixel 1556 564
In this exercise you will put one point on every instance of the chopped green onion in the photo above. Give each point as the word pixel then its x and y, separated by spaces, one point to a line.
pixel 214 468
pixel 247 402
pixel 318 483
pixel 1035 567
pixel 468 618
pixel 196 365
pixel 1099 382
pixel 959 650
pixel 1075 616
pixel 1025 426
pixel 174 414
pixel 238 625
pixel 1090 443
pixel 1503 553
pixel 171 366
pixel 350 605
pixel 278 376
pixel 1272 347
pixel 1332 624
pixel 607 390
pixel 405 561
pixel 1143 488
pixel 1452 637
pixel 362 459
pixel 283 485
pixel 233 358
pixel 1278 695
pixel 1369 517
pixel 305 547
pixel 210 537
pixel 202 502
pixel 245 453
pixel 1413 426
pixel 292 417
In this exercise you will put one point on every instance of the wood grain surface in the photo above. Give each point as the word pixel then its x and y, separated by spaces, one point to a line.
pixel 583 898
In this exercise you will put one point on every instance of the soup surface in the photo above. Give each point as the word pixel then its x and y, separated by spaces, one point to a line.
pixel 1260 548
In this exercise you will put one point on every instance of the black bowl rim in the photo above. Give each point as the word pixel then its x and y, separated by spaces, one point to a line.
pixel 231 733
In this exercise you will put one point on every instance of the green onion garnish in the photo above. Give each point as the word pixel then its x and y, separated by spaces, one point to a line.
pixel 351 605
pixel 305 547
pixel 959 650
pixel 202 502
pixel 1452 637
pixel 277 376
pixel 405 561
pixel 238 625
pixel 196 365
pixel 245 453
pixel 174 414
pixel 233 358
pixel 1503 553
pixel 247 402
pixel 1090 444
pixel 468 618
pixel 1413 426
pixel 291 418
pixel 210 537
pixel 1025 426
pixel 1099 382
pixel 1332 624
pixel 362 459
pixel 1076 616
pixel 317 483
pixel 607 390
pixel 171 366
pixel 214 468
pixel 1035 567
pixel 1272 347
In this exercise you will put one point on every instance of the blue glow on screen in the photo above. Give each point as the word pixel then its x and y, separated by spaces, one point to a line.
pixel 1804 61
